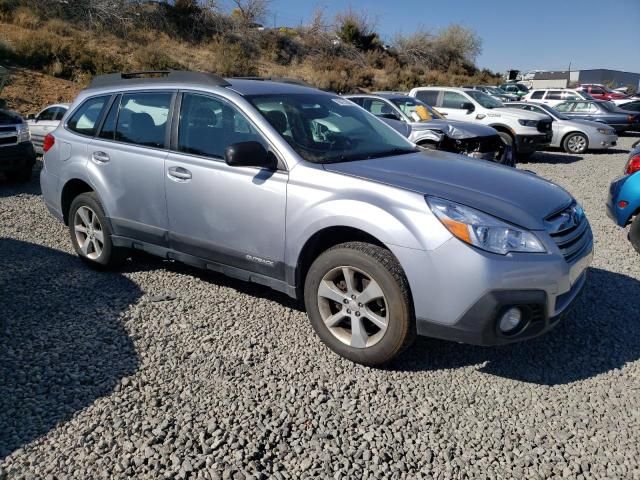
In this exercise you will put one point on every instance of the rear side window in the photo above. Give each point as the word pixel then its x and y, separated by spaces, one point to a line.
pixel 143 118
pixel 85 119
pixel 537 94
pixel 430 97
pixel 554 95
pixel 564 107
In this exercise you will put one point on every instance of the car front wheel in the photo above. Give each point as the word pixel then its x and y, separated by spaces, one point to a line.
pixel 575 143
pixel 357 298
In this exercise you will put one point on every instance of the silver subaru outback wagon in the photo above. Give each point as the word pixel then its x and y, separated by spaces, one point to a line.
pixel 307 193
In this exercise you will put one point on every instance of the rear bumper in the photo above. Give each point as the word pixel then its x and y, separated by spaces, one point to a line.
pixel 14 158
pixel 625 188
pixel 531 143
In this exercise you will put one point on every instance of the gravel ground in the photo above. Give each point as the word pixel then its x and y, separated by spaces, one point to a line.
pixel 162 371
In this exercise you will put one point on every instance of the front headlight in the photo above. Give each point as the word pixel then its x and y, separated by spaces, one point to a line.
pixel 23 133
pixel 606 131
pixel 528 123
pixel 482 230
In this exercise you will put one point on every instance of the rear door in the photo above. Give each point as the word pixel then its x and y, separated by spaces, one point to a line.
pixel 233 216
pixel 584 110
pixel 126 164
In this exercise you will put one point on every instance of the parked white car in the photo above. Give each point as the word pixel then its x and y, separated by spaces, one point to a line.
pixel 525 131
pixel 45 122
pixel 555 96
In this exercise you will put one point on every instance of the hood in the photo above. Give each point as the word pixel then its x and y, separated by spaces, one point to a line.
pixel 454 129
pixel 518 197
pixel 517 113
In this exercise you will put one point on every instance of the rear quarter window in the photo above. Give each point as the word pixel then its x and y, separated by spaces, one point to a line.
pixel 85 119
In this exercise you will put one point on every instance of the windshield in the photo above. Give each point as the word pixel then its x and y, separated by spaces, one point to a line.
pixel 485 100
pixel 416 110
pixel 327 129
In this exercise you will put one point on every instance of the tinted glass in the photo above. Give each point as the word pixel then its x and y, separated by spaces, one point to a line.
pixel 358 100
pixel 324 128
pixel 455 100
pixel 108 130
pixel 48 114
pixel 597 91
pixel 632 106
pixel 85 119
pixel 59 113
pixel 430 97
pixel 209 125
pixel 537 94
pixel 554 95
pixel 143 118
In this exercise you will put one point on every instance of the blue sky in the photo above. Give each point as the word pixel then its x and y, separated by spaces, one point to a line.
pixel 523 34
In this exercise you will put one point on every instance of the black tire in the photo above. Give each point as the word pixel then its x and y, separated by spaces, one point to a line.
pixel 508 139
pixel 634 233
pixel 110 256
pixel 381 266
pixel 575 137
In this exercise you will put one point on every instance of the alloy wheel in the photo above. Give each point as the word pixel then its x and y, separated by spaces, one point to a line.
pixel 577 143
pixel 89 232
pixel 353 307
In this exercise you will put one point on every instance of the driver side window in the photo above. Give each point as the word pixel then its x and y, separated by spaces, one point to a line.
pixel 48 114
pixel 453 100
pixel 208 125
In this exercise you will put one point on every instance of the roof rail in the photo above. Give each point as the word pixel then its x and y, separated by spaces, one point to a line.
pixel 132 78
pixel 292 81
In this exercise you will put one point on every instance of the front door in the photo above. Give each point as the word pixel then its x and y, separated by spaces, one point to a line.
pixel 451 104
pixel 232 216
pixel 126 160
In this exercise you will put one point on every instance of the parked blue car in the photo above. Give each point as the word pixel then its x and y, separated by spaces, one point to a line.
pixel 600 111
pixel 623 204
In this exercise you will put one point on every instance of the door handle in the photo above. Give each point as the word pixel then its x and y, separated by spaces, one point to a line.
pixel 179 173
pixel 100 157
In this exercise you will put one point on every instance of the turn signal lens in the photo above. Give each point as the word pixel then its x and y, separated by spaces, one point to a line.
pixel 49 141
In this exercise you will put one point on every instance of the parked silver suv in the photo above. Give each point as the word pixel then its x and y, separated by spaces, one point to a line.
pixel 305 192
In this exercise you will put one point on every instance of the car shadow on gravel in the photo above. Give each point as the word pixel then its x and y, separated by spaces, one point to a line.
pixel 32 187
pixel 600 334
pixel 62 342
pixel 551 157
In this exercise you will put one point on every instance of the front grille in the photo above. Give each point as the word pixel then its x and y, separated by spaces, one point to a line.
pixel 571 232
pixel 8 140
pixel 544 126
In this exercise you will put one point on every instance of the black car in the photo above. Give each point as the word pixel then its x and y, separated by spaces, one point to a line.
pixel 17 155
pixel 601 111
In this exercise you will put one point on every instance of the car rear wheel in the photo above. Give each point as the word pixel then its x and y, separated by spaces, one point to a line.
pixel 90 233
pixel 634 233
pixel 357 298
pixel 575 143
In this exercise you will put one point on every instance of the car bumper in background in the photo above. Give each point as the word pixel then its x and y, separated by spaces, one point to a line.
pixel 531 143
pixel 14 158
pixel 625 188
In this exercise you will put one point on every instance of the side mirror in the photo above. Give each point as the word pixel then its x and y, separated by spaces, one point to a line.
pixel 468 106
pixel 31 116
pixel 249 154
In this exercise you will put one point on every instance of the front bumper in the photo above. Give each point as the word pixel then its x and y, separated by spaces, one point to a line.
pixel 459 292
pixel 531 143
pixel 14 158
pixel 599 140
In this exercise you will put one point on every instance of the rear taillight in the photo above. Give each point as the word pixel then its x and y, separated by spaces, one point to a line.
pixel 633 165
pixel 49 141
